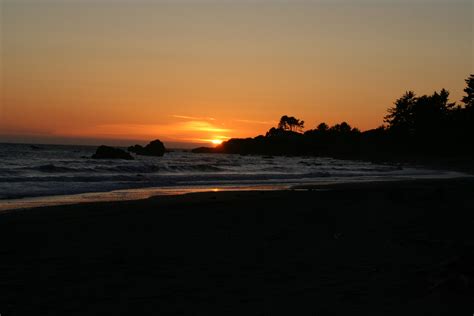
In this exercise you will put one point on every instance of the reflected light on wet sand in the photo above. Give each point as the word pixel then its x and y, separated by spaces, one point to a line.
pixel 121 195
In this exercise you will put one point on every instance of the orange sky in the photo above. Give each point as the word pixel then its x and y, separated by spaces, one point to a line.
pixel 189 72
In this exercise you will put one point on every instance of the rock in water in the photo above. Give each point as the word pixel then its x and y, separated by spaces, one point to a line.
pixel 135 149
pixel 106 152
pixel 155 148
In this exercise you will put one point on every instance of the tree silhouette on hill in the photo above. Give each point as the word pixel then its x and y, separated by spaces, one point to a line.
pixel 400 117
pixel 468 99
pixel 417 127
pixel 290 123
pixel 323 127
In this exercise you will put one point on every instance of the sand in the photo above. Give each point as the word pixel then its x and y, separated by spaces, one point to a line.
pixel 399 248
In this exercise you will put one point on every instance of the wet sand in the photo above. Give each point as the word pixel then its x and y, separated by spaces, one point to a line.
pixel 398 248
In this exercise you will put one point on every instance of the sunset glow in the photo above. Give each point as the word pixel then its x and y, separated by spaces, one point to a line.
pixel 216 141
pixel 187 72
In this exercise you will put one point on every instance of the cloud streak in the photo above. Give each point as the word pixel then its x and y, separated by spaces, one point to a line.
pixel 195 130
pixel 193 118
pixel 202 126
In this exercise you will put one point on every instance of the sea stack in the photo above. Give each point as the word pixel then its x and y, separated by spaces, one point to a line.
pixel 155 148
pixel 106 152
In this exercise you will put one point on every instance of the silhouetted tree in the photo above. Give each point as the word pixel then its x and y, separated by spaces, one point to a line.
pixel 431 114
pixel 468 99
pixel 400 116
pixel 342 128
pixel 420 115
pixel 465 116
pixel 273 132
pixel 323 127
pixel 290 123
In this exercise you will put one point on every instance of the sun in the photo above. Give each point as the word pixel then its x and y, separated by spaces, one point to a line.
pixel 216 141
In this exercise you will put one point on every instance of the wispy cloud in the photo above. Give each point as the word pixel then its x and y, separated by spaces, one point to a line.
pixel 185 117
pixel 202 131
pixel 205 140
pixel 202 126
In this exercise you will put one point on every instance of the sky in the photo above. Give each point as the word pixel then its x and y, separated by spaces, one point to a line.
pixel 193 72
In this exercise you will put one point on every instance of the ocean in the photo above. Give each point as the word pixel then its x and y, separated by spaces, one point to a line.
pixel 49 174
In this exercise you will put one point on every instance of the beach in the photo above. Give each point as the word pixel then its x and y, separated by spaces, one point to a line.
pixel 375 248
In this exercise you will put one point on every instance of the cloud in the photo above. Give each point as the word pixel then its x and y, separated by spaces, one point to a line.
pixel 185 117
pixel 194 130
pixel 202 126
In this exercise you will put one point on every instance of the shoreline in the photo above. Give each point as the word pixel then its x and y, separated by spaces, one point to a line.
pixel 123 195
pixel 8 205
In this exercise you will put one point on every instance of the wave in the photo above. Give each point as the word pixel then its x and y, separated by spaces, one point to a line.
pixel 367 169
pixel 99 178
pixel 51 168
pixel 165 178
pixel 199 167
pixel 146 168
pixel 275 168
pixel 164 168
pixel 130 168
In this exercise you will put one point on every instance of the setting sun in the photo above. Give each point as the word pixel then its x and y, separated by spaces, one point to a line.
pixel 216 141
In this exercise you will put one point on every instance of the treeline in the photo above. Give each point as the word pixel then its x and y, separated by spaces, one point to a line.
pixel 415 126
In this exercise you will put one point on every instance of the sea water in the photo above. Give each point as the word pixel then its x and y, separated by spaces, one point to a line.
pixel 28 171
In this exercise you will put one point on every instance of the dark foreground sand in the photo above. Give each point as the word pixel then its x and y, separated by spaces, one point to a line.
pixel 402 248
